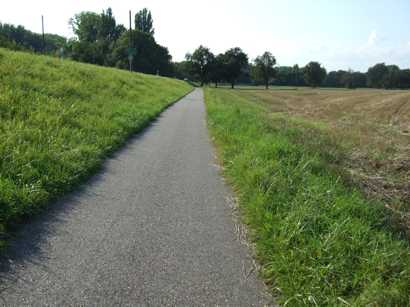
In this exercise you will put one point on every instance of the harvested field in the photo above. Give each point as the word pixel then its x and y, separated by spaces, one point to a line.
pixel 373 126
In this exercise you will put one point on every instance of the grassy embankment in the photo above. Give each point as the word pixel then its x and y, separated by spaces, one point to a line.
pixel 320 241
pixel 60 119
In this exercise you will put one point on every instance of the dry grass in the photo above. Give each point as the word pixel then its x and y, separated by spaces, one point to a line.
pixel 374 127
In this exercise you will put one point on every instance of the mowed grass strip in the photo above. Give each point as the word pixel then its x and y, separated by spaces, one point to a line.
pixel 60 119
pixel 320 241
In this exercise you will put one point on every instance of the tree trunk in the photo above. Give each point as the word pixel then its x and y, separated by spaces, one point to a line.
pixel 267 84
pixel 232 85
pixel 216 84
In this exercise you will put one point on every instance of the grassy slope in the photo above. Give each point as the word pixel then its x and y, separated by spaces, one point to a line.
pixel 59 120
pixel 320 242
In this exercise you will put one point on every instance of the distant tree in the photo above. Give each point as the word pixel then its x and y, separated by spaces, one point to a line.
pixel 201 63
pixel 85 26
pixel 347 79
pixel 388 77
pixel 335 79
pixel 391 79
pixel 284 75
pixel 289 76
pixel 254 74
pixel 403 80
pixel 297 76
pixel 150 57
pixel 85 48
pixel 144 22
pixel 96 35
pixel 19 38
pixel 108 34
pixel 264 65
pixel 314 74
pixel 217 69
pixel 358 80
pixel 182 70
pixel 235 62
pixel 376 75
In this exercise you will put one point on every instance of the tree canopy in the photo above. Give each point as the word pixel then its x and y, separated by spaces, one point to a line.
pixel 235 61
pixel 96 35
pixel 314 74
pixel 99 40
pixel 217 69
pixel 19 38
pixel 264 65
pixel 150 57
pixel 201 62
pixel 144 22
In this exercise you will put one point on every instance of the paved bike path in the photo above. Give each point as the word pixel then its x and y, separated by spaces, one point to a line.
pixel 153 228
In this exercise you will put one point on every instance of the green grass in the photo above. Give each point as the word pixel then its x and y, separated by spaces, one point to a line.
pixel 59 120
pixel 320 242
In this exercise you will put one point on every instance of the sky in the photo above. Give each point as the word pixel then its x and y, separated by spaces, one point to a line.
pixel 340 34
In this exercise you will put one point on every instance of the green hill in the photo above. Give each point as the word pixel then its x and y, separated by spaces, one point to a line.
pixel 60 119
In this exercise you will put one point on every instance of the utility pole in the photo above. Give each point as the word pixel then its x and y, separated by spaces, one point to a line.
pixel 42 29
pixel 130 55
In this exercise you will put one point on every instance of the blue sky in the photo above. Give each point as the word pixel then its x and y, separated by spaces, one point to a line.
pixel 339 34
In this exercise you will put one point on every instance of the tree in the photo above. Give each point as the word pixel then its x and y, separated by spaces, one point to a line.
pixel 297 76
pixel 201 63
pixel 150 58
pixel 404 79
pixel 264 65
pixel 144 22
pixel 182 70
pixel 391 79
pixel 284 75
pixel 388 77
pixel 235 61
pixel 108 34
pixel 85 26
pixel 359 79
pixel 336 79
pixel 217 69
pixel 19 38
pixel 376 75
pixel 314 74
pixel 96 37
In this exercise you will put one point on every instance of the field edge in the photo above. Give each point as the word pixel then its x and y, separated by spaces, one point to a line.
pixel 225 111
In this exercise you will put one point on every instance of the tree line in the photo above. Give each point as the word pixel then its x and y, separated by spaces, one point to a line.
pixel 18 38
pixel 100 40
pixel 234 67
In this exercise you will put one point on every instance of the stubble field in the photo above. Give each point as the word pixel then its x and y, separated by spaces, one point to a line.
pixel 321 177
pixel 371 126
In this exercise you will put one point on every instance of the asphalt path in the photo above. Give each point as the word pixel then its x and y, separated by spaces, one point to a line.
pixel 155 227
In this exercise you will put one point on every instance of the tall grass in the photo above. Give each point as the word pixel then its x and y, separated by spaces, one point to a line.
pixel 59 120
pixel 320 241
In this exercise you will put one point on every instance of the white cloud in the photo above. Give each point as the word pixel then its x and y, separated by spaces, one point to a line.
pixel 371 41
